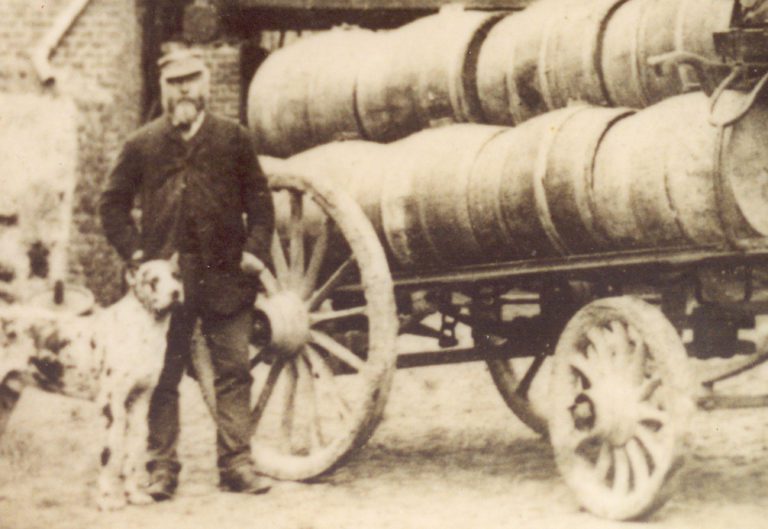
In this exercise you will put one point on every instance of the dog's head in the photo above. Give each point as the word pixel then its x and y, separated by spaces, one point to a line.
pixel 157 285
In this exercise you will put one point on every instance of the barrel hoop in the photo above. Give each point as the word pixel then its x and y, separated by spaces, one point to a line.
pixel 540 172
pixel 519 95
pixel 724 197
pixel 497 213
pixel 456 89
pixel 467 86
pixel 640 67
pixel 673 206
pixel 586 203
pixel 597 55
pixel 543 66
pixel 393 204
pixel 472 248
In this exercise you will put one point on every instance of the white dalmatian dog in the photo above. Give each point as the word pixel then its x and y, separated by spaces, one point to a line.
pixel 113 357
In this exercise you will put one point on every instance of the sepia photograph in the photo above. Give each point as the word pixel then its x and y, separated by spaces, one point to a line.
pixel 383 264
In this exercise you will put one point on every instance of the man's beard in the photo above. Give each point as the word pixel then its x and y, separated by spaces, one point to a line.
pixel 185 111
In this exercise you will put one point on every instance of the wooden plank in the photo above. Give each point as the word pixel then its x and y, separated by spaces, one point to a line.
pixel 372 5
pixel 653 261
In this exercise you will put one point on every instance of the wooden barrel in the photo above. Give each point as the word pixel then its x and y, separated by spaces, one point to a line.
pixel 530 190
pixel 568 177
pixel 742 168
pixel 631 206
pixel 357 167
pixel 422 74
pixel 505 210
pixel 570 53
pixel 424 205
pixel 508 68
pixel 657 175
pixel 642 29
pixel 304 94
pixel 573 181
pixel 331 104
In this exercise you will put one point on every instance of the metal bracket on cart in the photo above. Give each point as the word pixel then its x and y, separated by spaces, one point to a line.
pixel 715 401
pixel 743 50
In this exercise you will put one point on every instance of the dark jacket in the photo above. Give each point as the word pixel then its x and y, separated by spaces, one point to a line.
pixel 206 197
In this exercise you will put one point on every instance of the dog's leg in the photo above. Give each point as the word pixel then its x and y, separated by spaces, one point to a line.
pixel 136 448
pixel 10 392
pixel 111 493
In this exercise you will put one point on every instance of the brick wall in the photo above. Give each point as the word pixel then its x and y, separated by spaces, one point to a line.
pixel 98 65
pixel 223 59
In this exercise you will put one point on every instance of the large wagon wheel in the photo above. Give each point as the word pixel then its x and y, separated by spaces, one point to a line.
pixel 620 406
pixel 315 399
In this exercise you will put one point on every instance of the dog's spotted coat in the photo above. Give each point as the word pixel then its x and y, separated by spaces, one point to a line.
pixel 113 357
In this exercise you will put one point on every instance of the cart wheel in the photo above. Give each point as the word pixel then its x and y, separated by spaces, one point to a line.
pixel 315 400
pixel 620 406
pixel 516 390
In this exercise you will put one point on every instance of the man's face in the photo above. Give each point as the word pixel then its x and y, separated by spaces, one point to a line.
pixel 184 98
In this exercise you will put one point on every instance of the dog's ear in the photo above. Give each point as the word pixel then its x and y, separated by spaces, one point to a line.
pixel 174 261
pixel 131 267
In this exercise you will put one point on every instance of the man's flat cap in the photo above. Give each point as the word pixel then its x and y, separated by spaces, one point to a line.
pixel 181 62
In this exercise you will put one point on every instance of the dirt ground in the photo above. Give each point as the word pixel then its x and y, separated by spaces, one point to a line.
pixel 448 454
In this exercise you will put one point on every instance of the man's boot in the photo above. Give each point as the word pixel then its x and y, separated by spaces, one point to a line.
pixel 163 479
pixel 243 478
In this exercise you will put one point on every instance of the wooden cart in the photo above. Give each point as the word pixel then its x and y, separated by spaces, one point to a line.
pixel 608 326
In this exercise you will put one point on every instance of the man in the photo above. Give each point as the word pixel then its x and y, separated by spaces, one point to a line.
pixel 202 193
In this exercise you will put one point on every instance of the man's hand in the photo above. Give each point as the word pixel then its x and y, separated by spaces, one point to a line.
pixel 252 265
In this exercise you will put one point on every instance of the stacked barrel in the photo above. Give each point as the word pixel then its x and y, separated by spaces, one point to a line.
pixel 577 180
pixel 582 170
pixel 469 66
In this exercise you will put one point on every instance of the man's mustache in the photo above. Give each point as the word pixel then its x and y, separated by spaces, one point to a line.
pixel 197 102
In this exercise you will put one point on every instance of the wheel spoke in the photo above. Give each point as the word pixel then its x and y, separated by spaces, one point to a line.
pixel 318 317
pixel 314 423
pixel 619 339
pixel 271 284
pixel 621 474
pixel 296 236
pixel 603 462
pixel 324 291
pixel 289 403
pixel 649 387
pixel 266 393
pixel 324 377
pixel 640 470
pixel 586 366
pixel 259 357
pixel 598 338
pixel 278 259
pixel 652 446
pixel 647 412
pixel 315 260
pixel 638 353
pixel 525 384
pixel 337 350
pixel 300 442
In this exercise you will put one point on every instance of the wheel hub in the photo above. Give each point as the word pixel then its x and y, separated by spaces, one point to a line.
pixel 615 401
pixel 287 317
